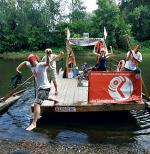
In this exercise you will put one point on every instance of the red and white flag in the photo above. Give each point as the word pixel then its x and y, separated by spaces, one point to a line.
pixel 114 87
pixel 105 33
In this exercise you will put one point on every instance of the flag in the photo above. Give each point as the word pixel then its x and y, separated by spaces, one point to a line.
pixel 68 34
pixel 114 87
pixel 105 33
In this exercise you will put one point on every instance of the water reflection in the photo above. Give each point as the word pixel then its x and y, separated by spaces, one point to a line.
pixel 68 136
pixel 8 69
pixel 99 127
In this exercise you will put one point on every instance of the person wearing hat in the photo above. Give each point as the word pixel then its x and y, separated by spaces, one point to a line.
pixel 52 67
pixel 43 85
pixel 101 55
pixel 134 57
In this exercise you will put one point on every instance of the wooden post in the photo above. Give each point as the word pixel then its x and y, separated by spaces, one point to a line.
pixel 72 56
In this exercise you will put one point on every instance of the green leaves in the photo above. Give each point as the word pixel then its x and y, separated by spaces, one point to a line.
pixel 108 15
pixel 137 14
pixel 27 24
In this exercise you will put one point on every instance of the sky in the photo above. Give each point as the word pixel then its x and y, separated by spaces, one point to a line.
pixel 90 4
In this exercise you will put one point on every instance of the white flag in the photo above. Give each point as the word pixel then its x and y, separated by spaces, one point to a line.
pixel 68 34
pixel 105 33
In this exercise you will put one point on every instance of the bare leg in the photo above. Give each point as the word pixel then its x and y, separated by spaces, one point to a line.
pixel 37 111
pixel 55 85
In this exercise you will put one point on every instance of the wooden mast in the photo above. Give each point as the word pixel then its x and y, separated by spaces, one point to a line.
pixel 70 59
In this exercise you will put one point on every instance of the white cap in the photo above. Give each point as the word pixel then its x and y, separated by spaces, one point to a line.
pixel 48 50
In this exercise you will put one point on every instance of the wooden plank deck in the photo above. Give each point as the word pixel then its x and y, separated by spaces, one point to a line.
pixel 75 99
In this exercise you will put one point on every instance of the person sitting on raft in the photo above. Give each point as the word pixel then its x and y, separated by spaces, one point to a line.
pixel 101 55
pixel 134 57
pixel 120 66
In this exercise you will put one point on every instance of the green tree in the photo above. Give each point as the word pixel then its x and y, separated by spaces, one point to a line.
pixel 78 18
pixel 28 24
pixel 108 15
pixel 137 14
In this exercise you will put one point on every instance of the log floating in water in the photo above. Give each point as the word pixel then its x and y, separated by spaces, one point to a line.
pixel 10 101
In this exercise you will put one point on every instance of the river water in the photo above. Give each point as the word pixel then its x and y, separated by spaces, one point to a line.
pixel 119 129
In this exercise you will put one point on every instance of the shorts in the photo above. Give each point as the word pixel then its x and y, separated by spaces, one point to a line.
pixel 42 94
pixel 52 74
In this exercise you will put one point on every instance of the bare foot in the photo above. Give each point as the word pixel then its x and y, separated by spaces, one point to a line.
pixel 56 93
pixel 56 102
pixel 31 127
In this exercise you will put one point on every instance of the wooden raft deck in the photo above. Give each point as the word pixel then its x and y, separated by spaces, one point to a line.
pixel 75 99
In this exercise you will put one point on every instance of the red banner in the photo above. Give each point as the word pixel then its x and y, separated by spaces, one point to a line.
pixel 114 87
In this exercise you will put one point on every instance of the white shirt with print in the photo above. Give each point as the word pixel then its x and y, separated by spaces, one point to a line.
pixel 40 75
pixel 131 64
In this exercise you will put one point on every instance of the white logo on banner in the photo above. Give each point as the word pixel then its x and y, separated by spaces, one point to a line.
pixel 120 88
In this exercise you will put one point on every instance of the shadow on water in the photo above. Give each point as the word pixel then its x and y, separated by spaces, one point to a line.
pixel 83 128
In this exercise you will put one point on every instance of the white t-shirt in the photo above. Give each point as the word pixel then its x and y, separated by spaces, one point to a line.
pixel 40 75
pixel 131 64
pixel 52 64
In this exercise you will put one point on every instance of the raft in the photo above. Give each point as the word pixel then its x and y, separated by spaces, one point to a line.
pixel 74 98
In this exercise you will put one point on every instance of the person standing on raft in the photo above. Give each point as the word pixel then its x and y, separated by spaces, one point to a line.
pixel 43 85
pixel 52 73
pixel 101 59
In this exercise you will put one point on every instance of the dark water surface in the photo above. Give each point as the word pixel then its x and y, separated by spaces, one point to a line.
pixel 131 129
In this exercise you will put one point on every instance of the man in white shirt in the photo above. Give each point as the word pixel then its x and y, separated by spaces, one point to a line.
pixel 43 85
pixel 134 57
pixel 52 67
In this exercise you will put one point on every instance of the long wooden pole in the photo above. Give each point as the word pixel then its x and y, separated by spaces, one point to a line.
pixel 127 40
pixel 34 87
pixel 13 91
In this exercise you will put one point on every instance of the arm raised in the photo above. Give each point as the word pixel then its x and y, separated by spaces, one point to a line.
pixel 20 66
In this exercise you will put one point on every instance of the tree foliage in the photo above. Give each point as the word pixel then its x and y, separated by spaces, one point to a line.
pixel 37 24
pixel 29 24
pixel 137 14
pixel 108 15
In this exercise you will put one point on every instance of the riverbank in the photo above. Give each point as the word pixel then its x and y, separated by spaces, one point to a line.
pixel 23 54
pixel 30 147
pixel 78 52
